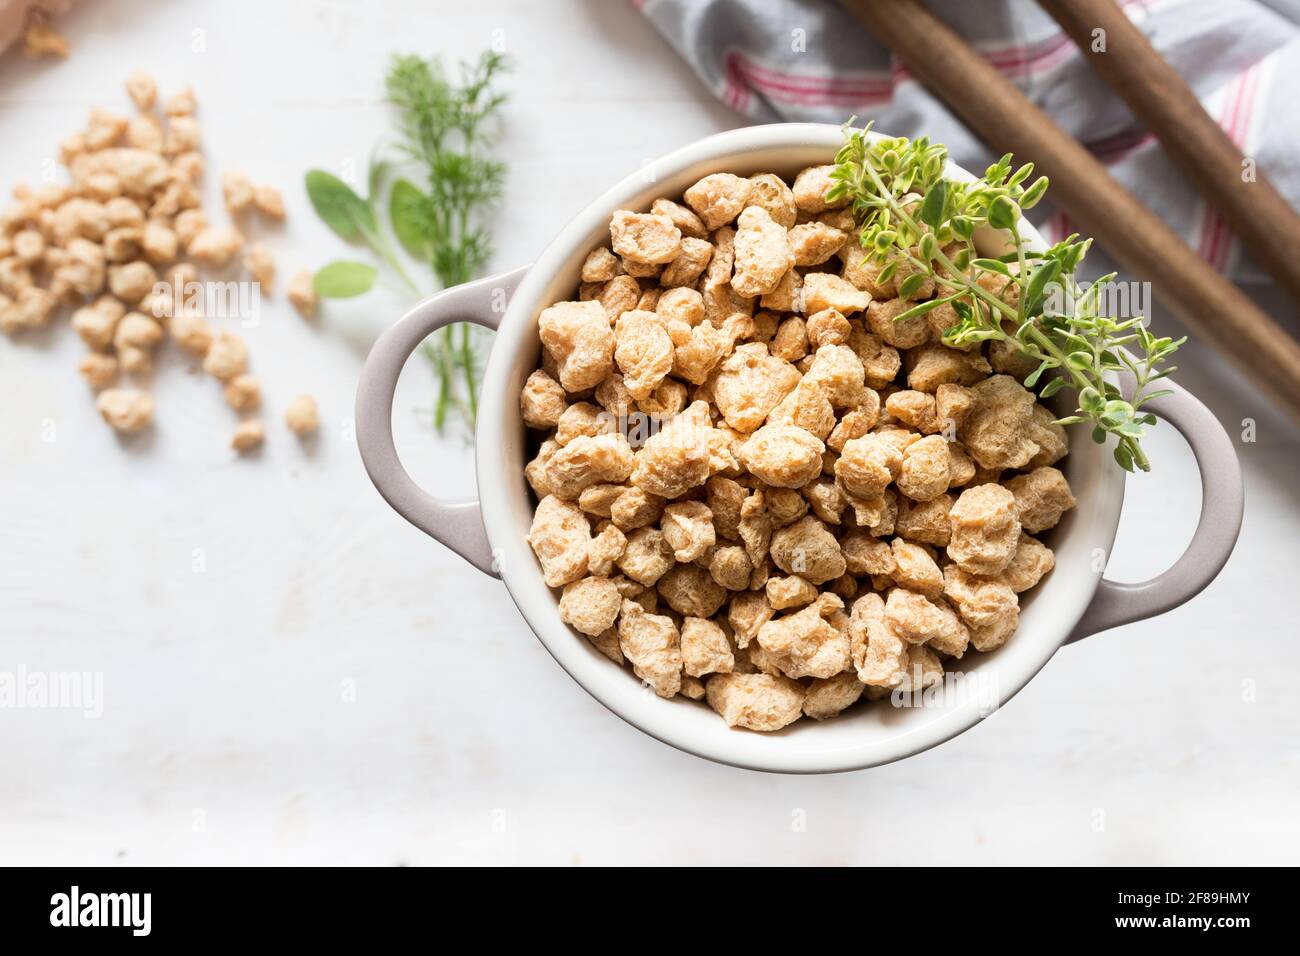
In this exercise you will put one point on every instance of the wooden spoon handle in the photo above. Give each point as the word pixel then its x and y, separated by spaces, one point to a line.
pixel 1212 307
pixel 1158 96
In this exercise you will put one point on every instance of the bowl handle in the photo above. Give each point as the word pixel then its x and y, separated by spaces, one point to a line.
pixel 456 524
pixel 1222 499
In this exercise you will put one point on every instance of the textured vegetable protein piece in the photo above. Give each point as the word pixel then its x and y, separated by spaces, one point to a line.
pixel 302 417
pixel 690 263
pixel 688 529
pixel 248 436
pixel 718 198
pixel 227 357
pixel 828 696
pixel 823 290
pixel 807 548
pixel 996 431
pixel 705 648
pixel 770 193
pixel 1028 565
pixel 687 223
pixel 755 701
pixel 590 605
pixel 652 644
pixel 678 457
pixel 645 237
pixel 99 371
pixel 559 536
pixel 810 188
pixel 128 410
pixel 242 393
pixel 985 529
pixel 302 294
pixel 814 242
pixel 784 456
pixel 805 643
pixel 790 592
pixel 644 352
pixel 730 567
pixel 579 336
pixel 762 252
pixel 689 589
pixel 1041 498
pixel 882 319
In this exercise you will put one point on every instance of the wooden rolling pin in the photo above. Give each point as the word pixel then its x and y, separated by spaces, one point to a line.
pixel 1158 96
pixel 1211 306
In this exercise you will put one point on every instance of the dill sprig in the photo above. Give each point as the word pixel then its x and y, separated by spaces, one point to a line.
pixel 911 215
pixel 443 129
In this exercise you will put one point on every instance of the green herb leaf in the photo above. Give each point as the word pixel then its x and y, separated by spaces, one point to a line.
pixel 378 170
pixel 921 308
pixel 992 265
pixel 1091 401
pixel 909 286
pixel 1038 282
pixel 1052 387
pixel 1032 379
pixel 1003 213
pixel 1079 361
pixel 407 210
pixel 932 206
pixel 338 205
pixel 1034 193
pixel 343 280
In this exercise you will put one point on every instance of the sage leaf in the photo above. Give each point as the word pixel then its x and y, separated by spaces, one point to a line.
pixel 342 279
pixel 406 211
pixel 338 205
pixel 378 170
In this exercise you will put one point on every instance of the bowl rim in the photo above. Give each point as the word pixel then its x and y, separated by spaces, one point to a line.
pixel 500 483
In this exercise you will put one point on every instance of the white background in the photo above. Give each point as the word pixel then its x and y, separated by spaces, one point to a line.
pixel 225 735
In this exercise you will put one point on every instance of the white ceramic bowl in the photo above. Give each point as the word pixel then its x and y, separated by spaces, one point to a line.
pixel 1073 601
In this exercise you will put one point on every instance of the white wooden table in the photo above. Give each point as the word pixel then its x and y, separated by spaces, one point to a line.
pixel 293 674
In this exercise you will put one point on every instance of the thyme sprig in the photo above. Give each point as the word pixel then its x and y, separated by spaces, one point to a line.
pixel 911 215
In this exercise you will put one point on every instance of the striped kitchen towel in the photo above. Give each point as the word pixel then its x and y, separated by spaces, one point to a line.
pixel 809 60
